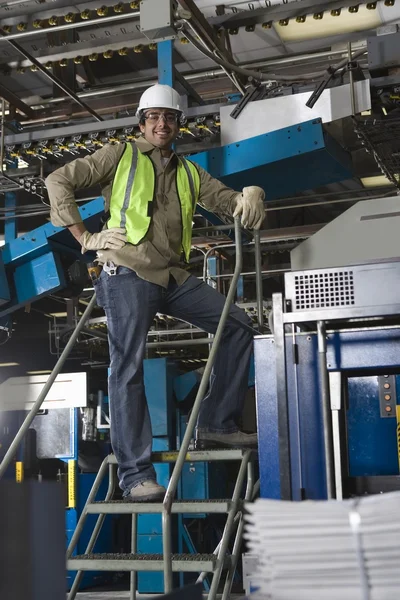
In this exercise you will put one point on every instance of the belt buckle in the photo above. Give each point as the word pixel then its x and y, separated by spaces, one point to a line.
pixel 110 268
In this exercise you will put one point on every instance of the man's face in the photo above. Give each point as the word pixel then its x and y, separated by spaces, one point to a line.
pixel 160 127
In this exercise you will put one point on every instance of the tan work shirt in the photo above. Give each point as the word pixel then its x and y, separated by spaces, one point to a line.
pixel 159 255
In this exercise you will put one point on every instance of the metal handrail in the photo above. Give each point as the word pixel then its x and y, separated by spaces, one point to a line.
pixel 42 396
pixel 173 483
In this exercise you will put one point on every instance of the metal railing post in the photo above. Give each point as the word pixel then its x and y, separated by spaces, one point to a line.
pixel 259 287
pixel 42 396
pixel 169 496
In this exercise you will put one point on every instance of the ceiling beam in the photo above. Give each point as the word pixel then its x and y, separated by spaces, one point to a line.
pixel 54 79
pixel 207 32
pixel 14 101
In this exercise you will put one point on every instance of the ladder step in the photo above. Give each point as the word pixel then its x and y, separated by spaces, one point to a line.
pixel 179 506
pixel 195 455
pixel 189 563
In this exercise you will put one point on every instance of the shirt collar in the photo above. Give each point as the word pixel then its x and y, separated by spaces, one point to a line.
pixel 145 146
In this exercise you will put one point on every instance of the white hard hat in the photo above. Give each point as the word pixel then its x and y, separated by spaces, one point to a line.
pixel 159 96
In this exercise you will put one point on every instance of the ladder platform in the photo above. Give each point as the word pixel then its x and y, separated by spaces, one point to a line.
pixel 116 507
pixel 188 563
pixel 224 454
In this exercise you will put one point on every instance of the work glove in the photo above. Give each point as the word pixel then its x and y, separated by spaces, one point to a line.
pixel 112 239
pixel 250 205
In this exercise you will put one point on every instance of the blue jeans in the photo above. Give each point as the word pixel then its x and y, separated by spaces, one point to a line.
pixel 130 304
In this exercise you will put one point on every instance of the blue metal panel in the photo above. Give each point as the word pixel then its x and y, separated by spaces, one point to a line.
pixel 364 349
pixel 372 440
pixel 183 384
pixel 48 237
pixel 37 278
pixel 158 374
pixel 350 351
pixel 151 524
pixel 311 436
pixel 306 435
pixel 150 582
pixel 4 289
pixel 311 157
pixel 165 63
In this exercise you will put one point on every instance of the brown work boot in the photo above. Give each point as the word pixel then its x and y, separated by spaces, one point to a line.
pixel 146 491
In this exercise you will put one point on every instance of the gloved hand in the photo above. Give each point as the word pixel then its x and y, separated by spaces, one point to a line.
pixel 112 239
pixel 250 204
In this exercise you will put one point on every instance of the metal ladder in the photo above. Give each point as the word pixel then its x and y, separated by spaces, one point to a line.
pixel 133 562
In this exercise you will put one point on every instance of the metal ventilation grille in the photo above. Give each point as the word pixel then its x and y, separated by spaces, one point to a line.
pixel 324 290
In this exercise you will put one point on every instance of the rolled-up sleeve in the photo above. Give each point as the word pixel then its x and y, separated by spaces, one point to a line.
pixel 94 169
pixel 214 195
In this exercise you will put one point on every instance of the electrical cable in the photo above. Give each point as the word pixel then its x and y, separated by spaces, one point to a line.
pixel 266 76
pixel 217 54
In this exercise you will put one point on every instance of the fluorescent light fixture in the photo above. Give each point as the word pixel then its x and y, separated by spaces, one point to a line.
pixel 376 181
pixel 9 364
pixel 46 372
pixel 312 28
pixel 58 314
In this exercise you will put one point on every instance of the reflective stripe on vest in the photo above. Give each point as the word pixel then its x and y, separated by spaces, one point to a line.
pixel 133 194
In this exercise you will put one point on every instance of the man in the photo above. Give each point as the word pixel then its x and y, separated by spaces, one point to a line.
pixel 151 195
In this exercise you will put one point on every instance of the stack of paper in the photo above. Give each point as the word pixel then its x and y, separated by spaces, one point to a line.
pixel 328 550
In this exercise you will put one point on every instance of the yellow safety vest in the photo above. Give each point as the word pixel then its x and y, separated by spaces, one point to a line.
pixel 133 190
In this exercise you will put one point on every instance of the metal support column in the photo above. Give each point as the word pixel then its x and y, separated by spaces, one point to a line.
pixel 165 63
pixel 326 411
pixel 282 395
pixel 133 576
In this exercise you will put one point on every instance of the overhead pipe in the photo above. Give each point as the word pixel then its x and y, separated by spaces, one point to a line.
pixel 199 76
pixel 65 26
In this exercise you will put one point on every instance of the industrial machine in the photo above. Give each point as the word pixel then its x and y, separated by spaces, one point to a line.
pixel 327 393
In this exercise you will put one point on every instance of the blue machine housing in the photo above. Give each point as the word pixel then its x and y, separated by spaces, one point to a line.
pixel 371 439
pixel 311 156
